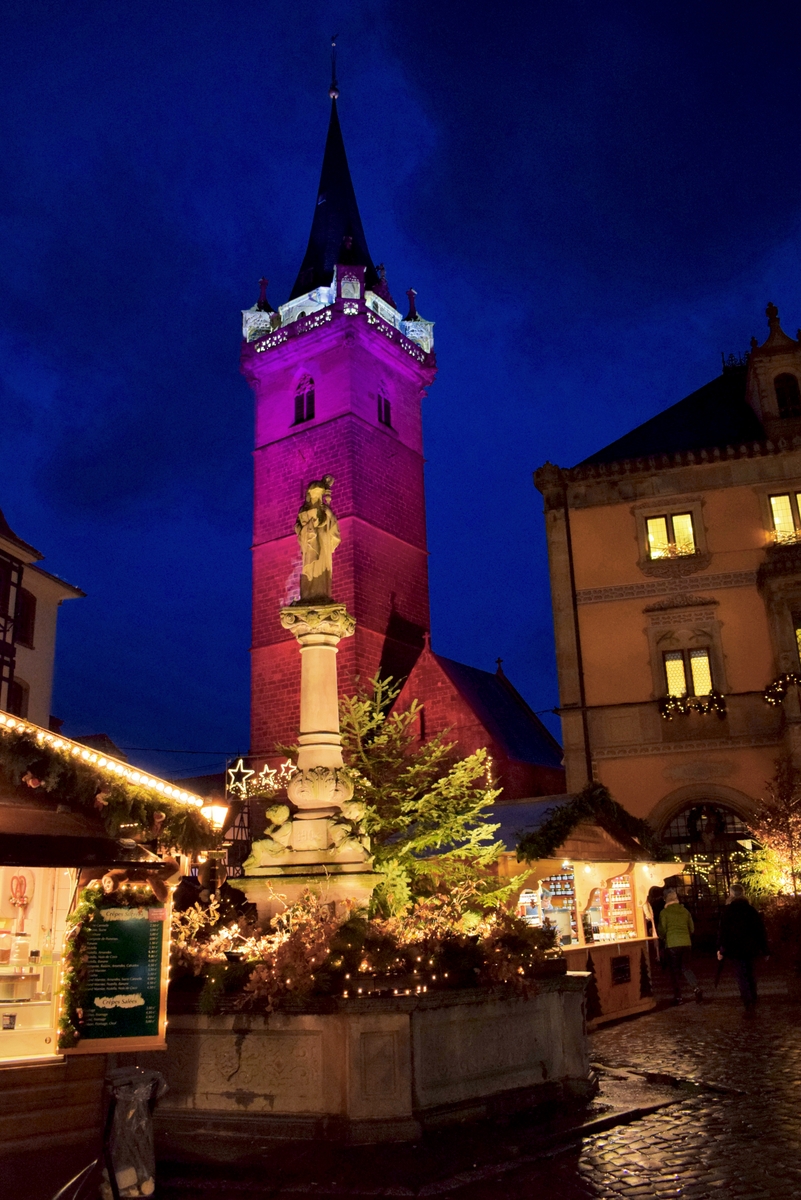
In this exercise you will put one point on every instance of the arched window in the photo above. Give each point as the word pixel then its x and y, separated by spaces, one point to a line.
pixel 384 410
pixel 713 843
pixel 304 400
pixel 788 395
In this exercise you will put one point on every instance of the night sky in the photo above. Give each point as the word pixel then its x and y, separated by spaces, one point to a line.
pixel 592 201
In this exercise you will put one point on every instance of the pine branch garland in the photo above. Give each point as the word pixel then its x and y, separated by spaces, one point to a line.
pixel 593 803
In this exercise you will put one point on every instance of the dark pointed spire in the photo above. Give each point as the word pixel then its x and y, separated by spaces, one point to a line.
pixel 336 218
pixel 263 304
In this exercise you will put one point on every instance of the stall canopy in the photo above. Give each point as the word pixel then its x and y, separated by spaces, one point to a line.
pixel 557 824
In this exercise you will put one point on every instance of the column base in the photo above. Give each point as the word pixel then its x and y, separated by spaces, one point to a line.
pixel 272 893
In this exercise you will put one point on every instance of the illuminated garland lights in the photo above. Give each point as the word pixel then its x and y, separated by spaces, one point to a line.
pixel 125 798
pixel 682 706
pixel 110 766
pixel 310 951
pixel 776 691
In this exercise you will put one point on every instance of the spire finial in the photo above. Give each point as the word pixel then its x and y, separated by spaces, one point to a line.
pixel 412 313
pixel 333 91
pixel 263 304
pixel 499 661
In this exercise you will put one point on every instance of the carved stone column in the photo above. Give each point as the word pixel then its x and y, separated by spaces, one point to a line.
pixel 319 843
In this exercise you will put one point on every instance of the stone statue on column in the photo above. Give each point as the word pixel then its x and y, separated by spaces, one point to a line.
pixel 319 843
pixel 317 531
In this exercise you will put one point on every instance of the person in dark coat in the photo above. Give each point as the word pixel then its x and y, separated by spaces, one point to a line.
pixel 653 910
pixel 742 939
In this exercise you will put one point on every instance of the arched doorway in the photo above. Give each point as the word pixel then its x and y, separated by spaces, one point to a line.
pixel 713 841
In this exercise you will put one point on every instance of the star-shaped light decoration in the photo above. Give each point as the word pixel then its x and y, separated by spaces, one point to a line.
pixel 238 777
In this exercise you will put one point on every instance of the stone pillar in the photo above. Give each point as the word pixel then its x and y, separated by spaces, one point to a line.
pixel 318 629
pixel 319 845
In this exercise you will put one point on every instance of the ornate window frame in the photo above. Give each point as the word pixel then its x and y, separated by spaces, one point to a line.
pixel 685 564
pixel 684 623
pixel 777 487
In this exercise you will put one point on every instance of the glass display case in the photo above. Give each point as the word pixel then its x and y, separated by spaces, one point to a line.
pixel 34 902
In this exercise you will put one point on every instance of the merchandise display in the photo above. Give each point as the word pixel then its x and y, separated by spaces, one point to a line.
pixel 33 912
pixel 610 915
pixel 553 902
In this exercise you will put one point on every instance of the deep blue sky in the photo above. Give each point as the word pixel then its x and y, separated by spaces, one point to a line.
pixel 592 201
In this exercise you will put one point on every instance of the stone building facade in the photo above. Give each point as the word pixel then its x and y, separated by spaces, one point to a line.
pixel 675 561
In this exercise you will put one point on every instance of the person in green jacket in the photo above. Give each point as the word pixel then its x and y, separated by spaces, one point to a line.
pixel 676 928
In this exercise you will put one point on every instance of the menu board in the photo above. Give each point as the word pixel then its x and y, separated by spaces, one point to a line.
pixel 125 997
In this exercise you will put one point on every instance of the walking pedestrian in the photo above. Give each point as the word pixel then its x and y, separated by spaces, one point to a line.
pixel 652 910
pixel 742 939
pixel 676 927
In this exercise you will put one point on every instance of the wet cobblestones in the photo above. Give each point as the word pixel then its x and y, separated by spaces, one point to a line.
pixel 740 1140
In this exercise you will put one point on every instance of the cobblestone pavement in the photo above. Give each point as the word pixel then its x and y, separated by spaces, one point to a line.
pixel 738 1136
pixel 729 1124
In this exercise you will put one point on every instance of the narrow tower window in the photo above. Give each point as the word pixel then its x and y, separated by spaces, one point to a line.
pixel 384 410
pixel 788 395
pixel 304 400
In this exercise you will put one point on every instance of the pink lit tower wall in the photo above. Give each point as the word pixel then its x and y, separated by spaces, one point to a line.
pixel 339 377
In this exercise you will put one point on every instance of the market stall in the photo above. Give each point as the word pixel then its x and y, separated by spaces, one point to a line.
pixel 591 887
pixel 86 874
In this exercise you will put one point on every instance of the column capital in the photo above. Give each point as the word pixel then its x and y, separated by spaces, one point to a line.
pixel 332 620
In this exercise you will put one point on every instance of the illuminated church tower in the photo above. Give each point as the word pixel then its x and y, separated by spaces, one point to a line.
pixel 339 376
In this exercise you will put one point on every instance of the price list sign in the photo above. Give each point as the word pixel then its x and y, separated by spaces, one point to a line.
pixel 124 1003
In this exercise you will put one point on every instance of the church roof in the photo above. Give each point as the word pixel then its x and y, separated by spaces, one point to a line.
pixel 717 414
pixel 336 217
pixel 503 712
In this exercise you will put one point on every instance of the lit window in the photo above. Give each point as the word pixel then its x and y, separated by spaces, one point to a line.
pixel 701 672
pixel 797 631
pixel 304 400
pixel 675 673
pixel 788 395
pixel 670 536
pixel 384 410
pixel 784 510
pixel 688 672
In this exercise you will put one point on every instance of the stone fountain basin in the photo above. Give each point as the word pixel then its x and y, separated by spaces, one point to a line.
pixel 366 1070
